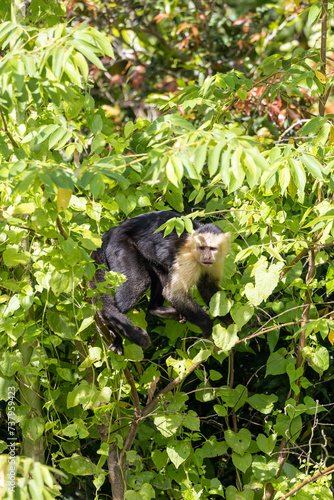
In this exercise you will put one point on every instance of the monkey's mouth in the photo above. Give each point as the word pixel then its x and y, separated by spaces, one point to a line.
pixel 207 263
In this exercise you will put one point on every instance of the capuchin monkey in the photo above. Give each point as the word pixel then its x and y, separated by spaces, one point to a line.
pixel 169 265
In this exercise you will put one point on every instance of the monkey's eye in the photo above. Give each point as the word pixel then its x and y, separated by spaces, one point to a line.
pixel 213 249
pixel 202 248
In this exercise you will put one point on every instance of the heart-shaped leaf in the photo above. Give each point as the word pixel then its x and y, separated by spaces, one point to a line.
pixel 238 442
pixel 242 462
pixel 241 314
pixel 265 283
pixel 178 452
pixel 233 494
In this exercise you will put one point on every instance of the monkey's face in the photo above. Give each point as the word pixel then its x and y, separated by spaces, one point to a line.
pixel 208 248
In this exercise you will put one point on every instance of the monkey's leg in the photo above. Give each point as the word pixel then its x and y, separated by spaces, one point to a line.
pixel 123 257
pixel 116 320
pixel 156 307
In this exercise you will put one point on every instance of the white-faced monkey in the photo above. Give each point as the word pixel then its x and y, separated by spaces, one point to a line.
pixel 170 266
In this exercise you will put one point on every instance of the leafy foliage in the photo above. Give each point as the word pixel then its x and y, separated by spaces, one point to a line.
pixel 190 418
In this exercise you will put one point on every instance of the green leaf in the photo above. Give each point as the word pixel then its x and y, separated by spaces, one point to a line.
pixel 89 51
pixel 6 386
pixel 78 465
pixel 312 165
pixel 102 41
pixel 174 170
pixel 225 165
pixel 235 398
pixel 259 159
pixel 129 128
pixel 313 14
pixel 263 470
pixel 132 495
pixel 81 63
pixel 276 362
pixel 211 448
pixel 80 395
pixel 18 74
pixel 200 156
pixel 236 165
pixel 214 156
pixel 317 358
pixel 33 428
pixel 221 410
pixel 240 441
pixel 56 136
pixel 98 142
pixel 10 363
pixel 127 205
pixel 220 305
pixel 233 494
pixel 178 452
pixel 97 185
pixel 224 338
pixel 241 314
pixel 283 178
pixel 263 402
pixel 242 462
pixel 94 355
pixel 13 305
pixel 298 174
pixel 253 173
pixel 266 444
pixel 5 28
pixel 63 198
pixel 58 61
pixel 202 355
pixel 167 425
pixel 133 352
pixel 61 325
pixel 287 427
pixel 12 256
pixel 181 122
pixel 159 458
pixel 265 283
pixel 191 421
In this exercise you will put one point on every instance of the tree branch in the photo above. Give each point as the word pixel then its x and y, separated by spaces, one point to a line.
pixel 323 473
pixel 5 129
pixel 136 413
pixel 302 254
pixel 323 97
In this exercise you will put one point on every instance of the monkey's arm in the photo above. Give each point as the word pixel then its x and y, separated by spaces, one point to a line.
pixel 189 309
pixel 207 287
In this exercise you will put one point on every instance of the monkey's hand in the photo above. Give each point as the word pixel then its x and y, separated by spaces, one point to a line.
pixel 165 312
pixel 182 319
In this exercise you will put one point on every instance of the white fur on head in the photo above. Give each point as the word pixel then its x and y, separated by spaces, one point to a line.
pixel 188 268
